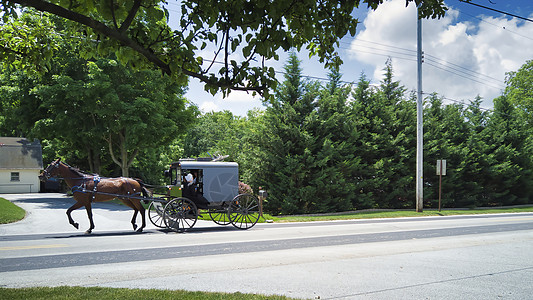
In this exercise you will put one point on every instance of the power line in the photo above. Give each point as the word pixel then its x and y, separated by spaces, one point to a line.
pixel 387 55
pixel 433 61
pixel 474 76
pixel 302 75
pixel 381 44
pixel 498 26
pixel 471 105
pixel 499 11
pixel 352 83
pixel 461 75
pixel 461 68
pixel 384 50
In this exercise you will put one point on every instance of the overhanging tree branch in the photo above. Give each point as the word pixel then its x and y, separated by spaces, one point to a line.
pixel 263 29
pixel 122 38
pixel 131 15
pixel 99 27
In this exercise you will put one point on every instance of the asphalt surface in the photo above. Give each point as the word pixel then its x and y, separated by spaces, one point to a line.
pixel 465 257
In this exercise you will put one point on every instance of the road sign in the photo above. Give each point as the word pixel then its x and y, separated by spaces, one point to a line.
pixel 441 167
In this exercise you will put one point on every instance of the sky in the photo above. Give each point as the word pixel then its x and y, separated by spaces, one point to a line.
pixel 466 53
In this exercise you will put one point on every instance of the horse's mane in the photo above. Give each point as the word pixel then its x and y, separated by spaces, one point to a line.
pixel 79 172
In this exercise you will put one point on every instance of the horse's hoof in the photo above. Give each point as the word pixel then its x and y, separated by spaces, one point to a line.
pixel 76 225
pixel 135 226
pixel 88 232
pixel 139 230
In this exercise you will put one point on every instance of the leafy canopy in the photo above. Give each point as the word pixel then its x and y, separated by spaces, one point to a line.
pixel 240 36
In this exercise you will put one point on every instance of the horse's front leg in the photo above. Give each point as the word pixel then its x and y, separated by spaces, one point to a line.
pixel 89 209
pixel 70 220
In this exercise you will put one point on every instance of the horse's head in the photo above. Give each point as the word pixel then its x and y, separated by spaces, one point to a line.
pixel 51 171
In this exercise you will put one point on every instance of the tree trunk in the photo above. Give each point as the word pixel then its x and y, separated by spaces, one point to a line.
pixel 124 162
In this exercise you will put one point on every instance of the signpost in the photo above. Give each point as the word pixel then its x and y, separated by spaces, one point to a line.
pixel 441 171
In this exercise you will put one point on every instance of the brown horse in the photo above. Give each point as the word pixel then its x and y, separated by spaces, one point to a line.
pixel 87 189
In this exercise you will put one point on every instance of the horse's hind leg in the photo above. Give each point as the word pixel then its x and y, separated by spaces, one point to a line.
pixel 140 208
pixel 89 209
pixel 135 211
pixel 70 220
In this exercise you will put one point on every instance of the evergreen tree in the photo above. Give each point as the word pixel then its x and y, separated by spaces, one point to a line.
pixel 509 156
pixel 336 159
pixel 445 132
pixel 384 130
pixel 287 144
pixel 399 142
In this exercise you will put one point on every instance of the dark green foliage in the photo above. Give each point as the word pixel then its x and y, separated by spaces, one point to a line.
pixel 287 140
pixel 95 114
pixel 336 148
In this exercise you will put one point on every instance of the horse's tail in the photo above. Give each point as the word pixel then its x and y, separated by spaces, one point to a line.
pixel 145 191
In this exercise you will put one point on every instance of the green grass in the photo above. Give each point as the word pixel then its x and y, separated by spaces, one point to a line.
pixel 9 212
pixel 99 293
pixel 394 214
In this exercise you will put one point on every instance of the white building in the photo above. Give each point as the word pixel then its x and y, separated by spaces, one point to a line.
pixel 21 161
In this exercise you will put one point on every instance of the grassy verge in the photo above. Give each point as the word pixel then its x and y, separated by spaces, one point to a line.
pixel 394 214
pixel 99 293
pixel 9 212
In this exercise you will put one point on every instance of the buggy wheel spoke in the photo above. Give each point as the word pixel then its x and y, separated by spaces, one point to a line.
pixel 243 211
pixel 180 214
pixel 219 216
pixel 156 214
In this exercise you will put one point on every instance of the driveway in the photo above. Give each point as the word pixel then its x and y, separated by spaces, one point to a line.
pixel 46 213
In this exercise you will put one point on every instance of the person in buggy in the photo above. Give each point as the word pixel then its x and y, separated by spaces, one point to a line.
pixel 190 191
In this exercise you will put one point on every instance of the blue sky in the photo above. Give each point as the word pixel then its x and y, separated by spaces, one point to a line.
pixel 467 53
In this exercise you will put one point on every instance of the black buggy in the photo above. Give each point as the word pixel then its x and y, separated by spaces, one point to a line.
pixel 201 187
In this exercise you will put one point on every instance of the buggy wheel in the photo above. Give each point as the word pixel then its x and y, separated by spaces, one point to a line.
pixel 156 214
pixel 244 211
pixel 180 214
pixel 219 216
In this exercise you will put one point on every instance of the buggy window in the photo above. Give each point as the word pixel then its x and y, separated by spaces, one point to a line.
pixel 175 176
pixel 198 179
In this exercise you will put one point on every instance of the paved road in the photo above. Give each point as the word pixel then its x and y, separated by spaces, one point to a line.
pixel 466 257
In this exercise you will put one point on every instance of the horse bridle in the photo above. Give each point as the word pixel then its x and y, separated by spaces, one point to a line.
pixel 47 172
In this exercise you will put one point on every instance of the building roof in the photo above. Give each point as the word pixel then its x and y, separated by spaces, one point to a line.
pixel 20 153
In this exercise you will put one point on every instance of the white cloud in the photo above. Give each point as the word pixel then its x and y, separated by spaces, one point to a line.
pixel 238 102
pixel 455 52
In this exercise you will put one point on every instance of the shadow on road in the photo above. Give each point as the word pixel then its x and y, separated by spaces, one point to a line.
pixel 80 234
pixel 58 201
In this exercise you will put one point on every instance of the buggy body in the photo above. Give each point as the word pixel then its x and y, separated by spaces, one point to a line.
pixel 200 187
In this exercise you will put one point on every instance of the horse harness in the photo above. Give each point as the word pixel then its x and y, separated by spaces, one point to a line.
pixel 83 187
pixel 96 179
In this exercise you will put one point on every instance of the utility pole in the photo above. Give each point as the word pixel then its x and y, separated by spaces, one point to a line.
pixel 419 122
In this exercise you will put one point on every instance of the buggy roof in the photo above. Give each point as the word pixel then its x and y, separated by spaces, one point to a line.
pixel 192 164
